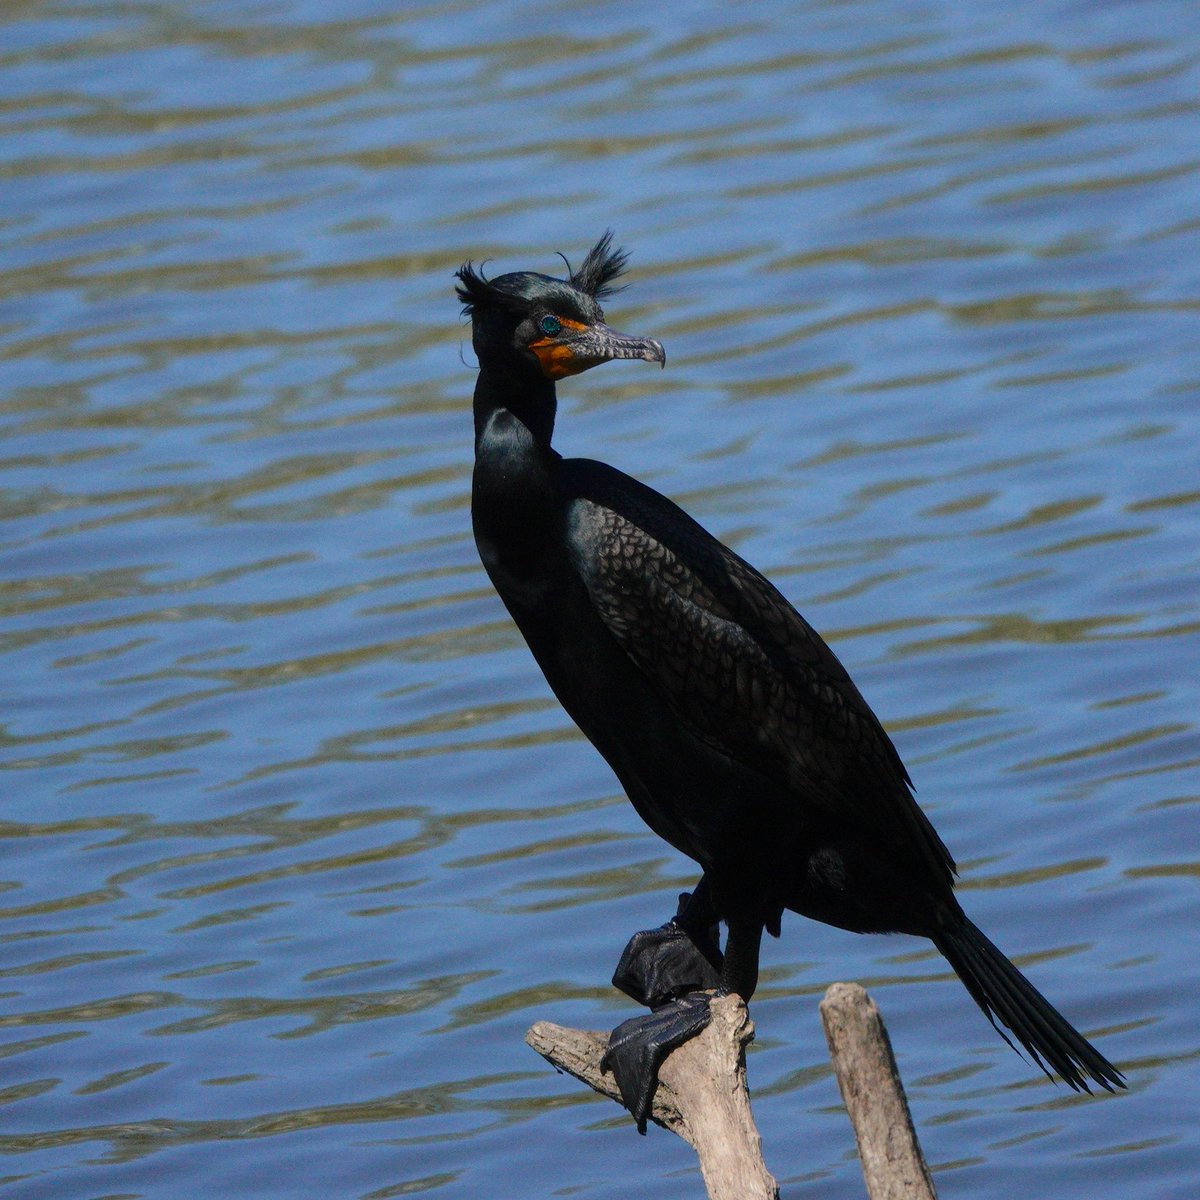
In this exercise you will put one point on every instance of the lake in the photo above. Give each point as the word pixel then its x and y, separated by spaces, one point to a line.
pixel 296 843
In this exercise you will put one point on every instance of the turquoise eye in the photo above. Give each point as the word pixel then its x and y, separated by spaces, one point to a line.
pixel 551 326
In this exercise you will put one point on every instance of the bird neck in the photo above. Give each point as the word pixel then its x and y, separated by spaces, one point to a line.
pixel 529 397
pixel 512 489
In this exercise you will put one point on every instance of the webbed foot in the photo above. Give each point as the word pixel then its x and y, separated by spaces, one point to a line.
pixel 638 1047
pixel 667 963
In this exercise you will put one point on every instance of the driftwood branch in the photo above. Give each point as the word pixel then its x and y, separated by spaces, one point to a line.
pixel 702 1095
pixel 892 1163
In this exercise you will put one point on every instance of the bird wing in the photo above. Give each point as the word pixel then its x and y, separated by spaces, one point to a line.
pixel 733 659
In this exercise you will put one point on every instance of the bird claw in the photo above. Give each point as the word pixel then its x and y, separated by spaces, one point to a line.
pixel 638 1047
pixel 661 965
pixel 667 963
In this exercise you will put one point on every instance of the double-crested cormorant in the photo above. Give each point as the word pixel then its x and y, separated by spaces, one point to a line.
pixel 733 728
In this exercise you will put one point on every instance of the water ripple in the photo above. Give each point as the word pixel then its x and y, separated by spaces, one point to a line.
pixel 286 793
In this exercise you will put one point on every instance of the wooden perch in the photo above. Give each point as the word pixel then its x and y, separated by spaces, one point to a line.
pixel 702 1095
pixel 892 1163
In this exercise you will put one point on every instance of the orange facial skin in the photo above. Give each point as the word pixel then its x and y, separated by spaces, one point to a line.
pixel 557 357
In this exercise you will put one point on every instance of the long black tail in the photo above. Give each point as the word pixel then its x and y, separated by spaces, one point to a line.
pixel 1005 995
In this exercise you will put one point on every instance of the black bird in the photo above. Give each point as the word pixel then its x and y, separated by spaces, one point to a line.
pixel 733 728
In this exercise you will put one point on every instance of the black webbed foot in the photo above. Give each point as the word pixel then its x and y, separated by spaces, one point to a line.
pixel 667 963
pixel 637 1048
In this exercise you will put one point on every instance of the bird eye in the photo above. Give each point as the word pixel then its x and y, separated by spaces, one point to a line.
pixel 550 326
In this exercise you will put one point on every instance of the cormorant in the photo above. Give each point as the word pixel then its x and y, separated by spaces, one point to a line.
pixel 733 728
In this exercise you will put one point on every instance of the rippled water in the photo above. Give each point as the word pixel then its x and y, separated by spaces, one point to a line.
pixel 296 844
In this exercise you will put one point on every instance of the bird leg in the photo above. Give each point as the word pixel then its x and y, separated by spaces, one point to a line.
pixel 682 956
pixel 638 1047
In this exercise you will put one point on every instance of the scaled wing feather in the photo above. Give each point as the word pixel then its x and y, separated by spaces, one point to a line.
pixel 734 660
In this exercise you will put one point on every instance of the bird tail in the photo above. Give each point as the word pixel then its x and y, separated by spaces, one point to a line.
pixel 1005 995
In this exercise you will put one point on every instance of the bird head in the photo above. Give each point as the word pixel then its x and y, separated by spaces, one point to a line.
pixel 554 327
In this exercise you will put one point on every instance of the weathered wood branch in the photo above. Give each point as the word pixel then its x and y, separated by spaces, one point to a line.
pixel 892 1163
pixel 702 1095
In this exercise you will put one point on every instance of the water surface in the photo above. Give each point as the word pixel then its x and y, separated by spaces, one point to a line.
pixel 295 841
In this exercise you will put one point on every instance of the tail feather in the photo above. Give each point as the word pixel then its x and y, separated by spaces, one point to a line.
pixel 1008 999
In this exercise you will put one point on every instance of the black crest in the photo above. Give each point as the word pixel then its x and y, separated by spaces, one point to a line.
pixel 594 278
pixel 601 267
pixel 477 292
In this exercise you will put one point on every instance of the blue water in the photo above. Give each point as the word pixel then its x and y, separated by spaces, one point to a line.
pixel 295 842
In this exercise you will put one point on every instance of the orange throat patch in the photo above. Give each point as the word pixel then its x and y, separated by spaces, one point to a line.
pixel 558 358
